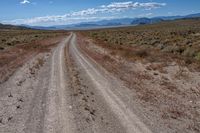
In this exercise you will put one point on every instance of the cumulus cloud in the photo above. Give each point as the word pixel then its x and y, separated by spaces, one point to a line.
pixel 132 5
pixel 89 13
pixel 25 2
pixel 119 6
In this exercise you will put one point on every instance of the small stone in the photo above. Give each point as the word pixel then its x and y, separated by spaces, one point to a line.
pixel 20 100
pixel 10 95
pixel 10 118
pixel 18 107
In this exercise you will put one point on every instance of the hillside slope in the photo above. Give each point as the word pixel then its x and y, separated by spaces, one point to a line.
pixel 13 27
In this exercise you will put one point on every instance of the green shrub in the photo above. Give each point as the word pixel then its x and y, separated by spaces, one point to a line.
pixel 189 52
pixel 179 49
pixel 169 49
pixel 197 57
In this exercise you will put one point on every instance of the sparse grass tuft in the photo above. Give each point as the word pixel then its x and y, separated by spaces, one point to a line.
pixel 172 40
pixel 197 57
pixel 11 38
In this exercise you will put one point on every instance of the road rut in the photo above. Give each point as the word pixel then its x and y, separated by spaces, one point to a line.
pixel 70 93
pixel 104 85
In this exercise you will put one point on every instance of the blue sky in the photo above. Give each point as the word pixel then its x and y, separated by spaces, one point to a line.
pixel 59 12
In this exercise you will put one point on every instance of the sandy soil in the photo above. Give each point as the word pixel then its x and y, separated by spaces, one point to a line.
pixel 165 94
pixel 79 87
pixel 14 57
pixel 66 91
pixel 113 93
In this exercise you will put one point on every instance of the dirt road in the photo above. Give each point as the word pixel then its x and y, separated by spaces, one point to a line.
pixel 65 91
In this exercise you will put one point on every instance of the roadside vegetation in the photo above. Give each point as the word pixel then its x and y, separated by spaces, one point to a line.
pixel 12 37
pixel 19 45
pixel 160 63
pixel 180 38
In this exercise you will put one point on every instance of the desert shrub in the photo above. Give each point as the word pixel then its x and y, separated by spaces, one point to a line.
pixel 94 34
pixel 179 49
pixel 154 42
pixel 40 62
pixel 9 44
pixel 141 53
pixel 161 46
pixel 1 48
pixel 169 49
pixel 197 57
pixel 189 52
pixel 188 61
pixel 16 42
pixel 3 40
pixel 105 39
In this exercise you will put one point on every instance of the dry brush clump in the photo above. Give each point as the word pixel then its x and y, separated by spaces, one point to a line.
pixel 159 63
pixel 9 38
pixel 180 38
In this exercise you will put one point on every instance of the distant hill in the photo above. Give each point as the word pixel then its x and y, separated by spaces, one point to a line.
pixel 13 27
pixel 179 17
pixel 121 21
pixel 86 25
pixel 193 15
pixel 115 22
pixel 146 21
pixel 126 21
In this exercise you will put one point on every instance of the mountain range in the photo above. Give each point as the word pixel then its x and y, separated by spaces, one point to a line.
pixel 13 27
pixel 118 22
pixel 105 23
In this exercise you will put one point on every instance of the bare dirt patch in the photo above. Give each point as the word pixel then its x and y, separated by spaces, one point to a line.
pixel 82 97
pixel 14 57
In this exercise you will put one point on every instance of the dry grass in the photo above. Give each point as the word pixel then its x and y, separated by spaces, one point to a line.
pixel 9 38
pixel 159 63
pixel 15 55
pixel 178 39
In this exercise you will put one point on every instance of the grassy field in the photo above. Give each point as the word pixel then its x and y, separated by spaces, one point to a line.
pixel 10 37
pixel 180 38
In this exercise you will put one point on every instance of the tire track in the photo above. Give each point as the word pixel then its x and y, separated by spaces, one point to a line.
pixel 126 116
pixel 58 118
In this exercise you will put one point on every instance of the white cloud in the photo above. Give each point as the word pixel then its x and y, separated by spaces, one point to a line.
pixel 89 13
pixel 25 2
pixel 132 5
